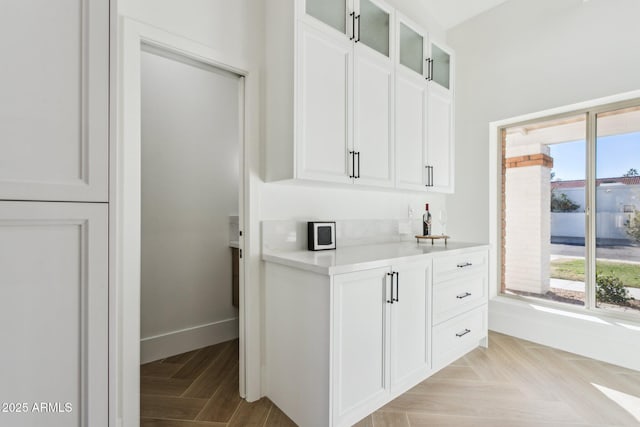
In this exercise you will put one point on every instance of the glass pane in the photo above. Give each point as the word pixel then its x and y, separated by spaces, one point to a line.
pixel 441 66
pixel 411 49
pixel 374 27
pixel 544 210
pixel 331 12
pixel 618 210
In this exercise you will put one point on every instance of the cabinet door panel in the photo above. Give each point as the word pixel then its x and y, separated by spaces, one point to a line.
pixel 359 336
pixel 410 324
pixel 53 258
pixel 374 26
pixel 411 48
pixel 441 66
pixel 411 116
pixel 373 121
pixel 330 12
pixel 440 141
pixel 54 105
pixel 324 124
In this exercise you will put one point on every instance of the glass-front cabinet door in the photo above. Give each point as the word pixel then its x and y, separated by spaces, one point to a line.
pixel 373 26
pixel 365 22
pixel 411 45
pixel 441 66
pixel 331 12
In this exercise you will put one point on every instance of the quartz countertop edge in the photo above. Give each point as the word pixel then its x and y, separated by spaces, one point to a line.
pixel 363 257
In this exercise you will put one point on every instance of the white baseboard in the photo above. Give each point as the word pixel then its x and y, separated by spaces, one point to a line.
pixel 591 335
pixel 176 342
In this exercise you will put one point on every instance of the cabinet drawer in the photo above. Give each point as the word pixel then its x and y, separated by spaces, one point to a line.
pixel 451 266
pixel 456 296
pixel 454 338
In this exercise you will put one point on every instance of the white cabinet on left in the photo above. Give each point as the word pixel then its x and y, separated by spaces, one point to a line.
pixel 54 108
pixel 54 312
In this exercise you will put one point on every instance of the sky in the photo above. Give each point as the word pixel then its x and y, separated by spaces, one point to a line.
pixel 616 154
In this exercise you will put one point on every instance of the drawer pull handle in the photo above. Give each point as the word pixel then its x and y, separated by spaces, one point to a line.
pixel 462 296
pixel 463 333
pixel 465 264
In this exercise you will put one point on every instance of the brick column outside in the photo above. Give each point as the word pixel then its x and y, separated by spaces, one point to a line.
pixel 527 218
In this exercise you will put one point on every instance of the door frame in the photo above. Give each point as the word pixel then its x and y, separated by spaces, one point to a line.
pixel 125 219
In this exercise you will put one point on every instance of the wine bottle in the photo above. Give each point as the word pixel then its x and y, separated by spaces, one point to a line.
pixel 426 221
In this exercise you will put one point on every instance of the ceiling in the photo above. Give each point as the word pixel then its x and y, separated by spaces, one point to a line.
pixel 450 13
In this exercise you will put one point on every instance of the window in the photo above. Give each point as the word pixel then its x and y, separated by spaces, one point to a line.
pixel 571 209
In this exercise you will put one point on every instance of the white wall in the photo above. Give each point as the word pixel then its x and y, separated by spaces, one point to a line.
pixel 190 184
pixel 525 56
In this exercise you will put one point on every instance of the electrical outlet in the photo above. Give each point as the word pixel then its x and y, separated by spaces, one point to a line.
pixel 410 212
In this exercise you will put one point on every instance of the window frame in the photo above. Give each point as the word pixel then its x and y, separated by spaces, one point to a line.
pixel 591 110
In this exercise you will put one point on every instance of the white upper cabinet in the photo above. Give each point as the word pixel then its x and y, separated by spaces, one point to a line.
pixel 411 107
pixel 440 120
pixel 423 111
pixel 348 88
pixel 440 146
pixel 324 99
pixel 54 108
pixel 373 94
pixel 373 125
pixel 344 52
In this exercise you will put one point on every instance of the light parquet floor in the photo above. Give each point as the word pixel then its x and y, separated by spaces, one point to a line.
pixel 200 389
pixel 517 383
pixel 513 383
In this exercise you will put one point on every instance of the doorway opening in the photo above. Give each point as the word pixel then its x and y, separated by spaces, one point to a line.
pixel 190 194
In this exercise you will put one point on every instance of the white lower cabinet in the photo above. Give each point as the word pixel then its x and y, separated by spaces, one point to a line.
pixel 340 346
pixel 360 328
pixel 381 335
pixel 410 325
pixel 459 305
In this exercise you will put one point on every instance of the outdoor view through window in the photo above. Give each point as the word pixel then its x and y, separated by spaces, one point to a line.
pixel 546 230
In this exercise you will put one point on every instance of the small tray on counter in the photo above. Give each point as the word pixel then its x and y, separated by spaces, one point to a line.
pixel 432 238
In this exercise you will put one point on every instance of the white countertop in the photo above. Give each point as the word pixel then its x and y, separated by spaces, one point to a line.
pixel 234 244
pixel 356 258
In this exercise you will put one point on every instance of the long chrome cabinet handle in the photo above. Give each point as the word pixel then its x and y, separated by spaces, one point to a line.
pixel 463 333
pixel 463 296
pixel 431 71
pixel 464 264
pixel 353 164
pixel 397 286
pixel 357 153
pixel 392 274
pixel 429 176
pixel 353 25
pixel 358 19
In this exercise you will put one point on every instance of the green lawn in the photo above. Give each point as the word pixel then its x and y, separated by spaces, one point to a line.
pixel 573 269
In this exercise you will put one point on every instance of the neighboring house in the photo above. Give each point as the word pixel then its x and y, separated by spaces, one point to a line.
pixel 616 199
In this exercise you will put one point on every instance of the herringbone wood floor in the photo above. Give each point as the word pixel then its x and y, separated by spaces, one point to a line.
pixel 513 383
pixel 200 389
